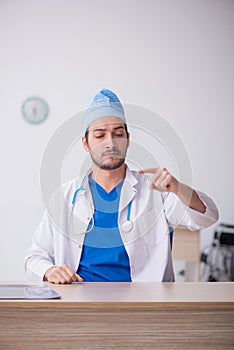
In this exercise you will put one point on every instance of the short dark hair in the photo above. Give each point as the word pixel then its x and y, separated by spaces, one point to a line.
pixel 87 132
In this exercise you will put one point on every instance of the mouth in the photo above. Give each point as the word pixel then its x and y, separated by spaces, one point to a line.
pixel 111 154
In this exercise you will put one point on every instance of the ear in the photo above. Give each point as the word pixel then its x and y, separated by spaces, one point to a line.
pixel 85 144
pixel 128 144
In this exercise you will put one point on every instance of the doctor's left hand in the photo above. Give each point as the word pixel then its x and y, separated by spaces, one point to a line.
pixel 161 180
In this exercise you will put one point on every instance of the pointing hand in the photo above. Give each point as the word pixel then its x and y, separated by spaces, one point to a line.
pixel 161 180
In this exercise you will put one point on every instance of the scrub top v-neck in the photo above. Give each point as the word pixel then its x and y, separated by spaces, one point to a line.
pixel 104 257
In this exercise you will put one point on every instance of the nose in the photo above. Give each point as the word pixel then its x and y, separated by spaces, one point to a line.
pixel 110 142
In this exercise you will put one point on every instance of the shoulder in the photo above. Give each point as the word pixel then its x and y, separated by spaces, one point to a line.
pixel 70 186
pixel 64 192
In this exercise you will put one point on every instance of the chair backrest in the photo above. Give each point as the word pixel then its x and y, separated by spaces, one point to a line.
pixel 186 247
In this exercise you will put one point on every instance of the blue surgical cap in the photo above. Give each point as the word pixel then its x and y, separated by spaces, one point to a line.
pixel 104 103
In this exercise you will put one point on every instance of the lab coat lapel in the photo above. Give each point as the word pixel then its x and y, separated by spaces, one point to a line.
pixel 82 211
pixel 128 190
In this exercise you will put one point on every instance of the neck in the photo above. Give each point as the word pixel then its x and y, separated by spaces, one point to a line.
pixel 108 179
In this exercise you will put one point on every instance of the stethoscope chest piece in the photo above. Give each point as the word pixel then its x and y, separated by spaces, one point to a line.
pixel 127 226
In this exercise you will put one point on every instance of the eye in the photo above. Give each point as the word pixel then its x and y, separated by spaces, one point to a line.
pixel 119 135
pixel 99 136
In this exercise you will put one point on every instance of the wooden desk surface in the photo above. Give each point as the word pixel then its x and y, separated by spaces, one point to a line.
pixel 91 295
pixel 134 294
pixel 123 316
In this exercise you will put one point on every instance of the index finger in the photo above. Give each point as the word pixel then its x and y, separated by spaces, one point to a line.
pixel 70 272
pixel 78 278
pixel 75 277
pixel 147 171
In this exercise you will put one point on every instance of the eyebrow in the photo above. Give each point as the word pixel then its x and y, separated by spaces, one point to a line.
pixel 104 129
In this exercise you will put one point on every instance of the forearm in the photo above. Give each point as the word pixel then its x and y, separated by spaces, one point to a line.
pixel 190 198
pixel 36 267
pixel 38 260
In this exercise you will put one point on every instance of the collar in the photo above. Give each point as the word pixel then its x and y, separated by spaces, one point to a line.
pixel 128 189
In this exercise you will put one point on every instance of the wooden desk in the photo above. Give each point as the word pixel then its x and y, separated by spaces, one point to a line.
pixel 123 316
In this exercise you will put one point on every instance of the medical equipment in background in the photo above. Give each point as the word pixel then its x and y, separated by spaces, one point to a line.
pixel 217 259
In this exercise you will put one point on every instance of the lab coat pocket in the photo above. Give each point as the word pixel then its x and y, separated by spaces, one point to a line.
pixel 157 228
pixel 147 226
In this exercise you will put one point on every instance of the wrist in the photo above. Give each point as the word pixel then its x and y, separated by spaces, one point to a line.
pixel 176 189
pixel 47 273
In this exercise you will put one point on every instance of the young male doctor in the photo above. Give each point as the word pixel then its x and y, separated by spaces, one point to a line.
pixel 114 226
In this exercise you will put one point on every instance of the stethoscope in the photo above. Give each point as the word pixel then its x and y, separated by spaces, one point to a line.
pixel 127 226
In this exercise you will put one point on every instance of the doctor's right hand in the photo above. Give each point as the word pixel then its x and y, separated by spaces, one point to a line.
pixel 61 275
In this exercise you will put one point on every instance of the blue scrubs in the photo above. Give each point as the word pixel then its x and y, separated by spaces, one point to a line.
pixel 104 257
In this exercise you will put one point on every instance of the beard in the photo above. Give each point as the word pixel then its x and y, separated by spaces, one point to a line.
pixel 106 166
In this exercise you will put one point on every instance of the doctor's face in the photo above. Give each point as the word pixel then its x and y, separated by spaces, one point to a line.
pixel 107 141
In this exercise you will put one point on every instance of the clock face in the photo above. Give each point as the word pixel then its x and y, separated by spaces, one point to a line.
pixel 35 110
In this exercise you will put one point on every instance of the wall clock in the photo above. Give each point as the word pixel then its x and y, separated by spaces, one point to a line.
pixel 35 110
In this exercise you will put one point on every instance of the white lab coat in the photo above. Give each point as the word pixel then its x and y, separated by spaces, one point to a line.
pixel 60 235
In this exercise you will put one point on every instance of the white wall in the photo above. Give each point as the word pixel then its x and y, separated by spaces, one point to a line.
pixel 172 56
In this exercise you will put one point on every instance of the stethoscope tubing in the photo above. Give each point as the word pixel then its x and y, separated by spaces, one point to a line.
pixel 127 225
